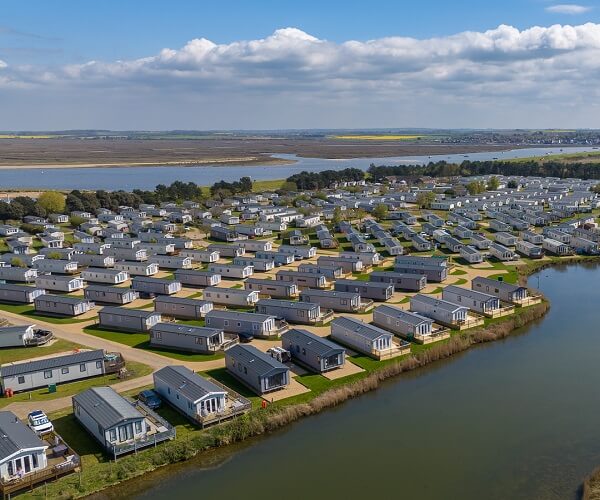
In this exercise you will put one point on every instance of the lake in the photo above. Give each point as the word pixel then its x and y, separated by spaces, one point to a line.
pixel 129 178
pixel 514 419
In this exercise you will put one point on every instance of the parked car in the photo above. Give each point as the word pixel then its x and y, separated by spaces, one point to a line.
pixel 150 398
pixel 39 423
pixel 245 337
pixel 280 354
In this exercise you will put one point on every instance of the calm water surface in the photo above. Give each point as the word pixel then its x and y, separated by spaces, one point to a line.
pixel 130 178
pixel 514 419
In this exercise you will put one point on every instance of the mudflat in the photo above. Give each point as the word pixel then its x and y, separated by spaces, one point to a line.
pixel 116 152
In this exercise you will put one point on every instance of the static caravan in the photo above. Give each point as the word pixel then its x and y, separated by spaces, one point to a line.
pixel 367 289
pixel 162 248
pixel 348 265
pixel 256 245
pixel 480 242
pixel 305 313
pixel 367 258
pixel 171 261
pixel 504 291
pixel 317 353
pixel 28 375
pixel 280 258
pixel 350 302
pixel 19 294
pixel 441 311
pixel 299 252
pixel 158 286
pixel 231 296
pixel 199 399
pixel 187 338
pixel 501 252
pixel 401 281
pixel 259 265
pixel 406 324
pixel 201 255
pixel 189 277
pixel 530 250
pixel 272 288
pixel 585 246
pixel 245 323
pixel 302 280
pixel 56 266
pixel 231 270
pixel 137 268
pixel 505 239
pixel 471 254
pixel 93 260
pixel 365 338
pixel 556 247
pixel 182 307
pixel 135 253
pixel 23 336
pixel 227 250
pixel 59 283
pixel 330 272
pixel 110 294
pixel 101 275
pixel 532 237
pixel 61 305
pixel 129 320
pixel 434 268
pixel 257 370
pixel 480 302
pixel 19 274
pixel 419 243
pixel 116 423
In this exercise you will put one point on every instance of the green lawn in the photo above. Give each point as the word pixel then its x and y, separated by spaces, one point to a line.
pixel 29 311
pixel 223 376
pixel 141 341
pixel 12 354
pixel 42 394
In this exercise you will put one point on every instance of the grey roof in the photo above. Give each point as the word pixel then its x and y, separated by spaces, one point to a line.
pixel 360 328
pixel 421 261
pixel 55 277
pixel 238 315
pixel 102 270
pixel 287 303
pixel 316 344
pixel 397 274
pixel 18 288
pixel 368 284
pixel 196 331
pixel 106 406
pixel 402 315
pixel 61 299
pixel 467 292
pixel 107 288
pixel 439 303
pixel 265 281
pixel 11 370
pixel 181 300
pixel 262 363
pixel 14 329
pixel 286 272
pixel 501 285
pixel 147 279
pixel 188 383
pixel 16 436
pixel 308 292
pixel 124 311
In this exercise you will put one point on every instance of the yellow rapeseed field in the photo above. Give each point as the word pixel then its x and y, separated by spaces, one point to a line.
pixel 380 137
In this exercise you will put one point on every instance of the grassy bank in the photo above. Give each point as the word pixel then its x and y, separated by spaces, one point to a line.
pixel 100 473
pixel 590 490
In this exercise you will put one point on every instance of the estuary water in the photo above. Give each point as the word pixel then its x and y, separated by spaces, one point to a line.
pixel 129 178
pixel 513 419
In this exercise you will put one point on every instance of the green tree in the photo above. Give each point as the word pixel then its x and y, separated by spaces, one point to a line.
pixel 513 185
pixel 52 202
pixel 337 215
pixel 475 187
pixel 76 221
pixel 53 255
pixel 17 262
pixel 493 183
pixel 380 211
pixel 425 199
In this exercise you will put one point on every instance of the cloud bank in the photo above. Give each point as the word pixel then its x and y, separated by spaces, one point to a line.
pixel 568 8
pixel 477 71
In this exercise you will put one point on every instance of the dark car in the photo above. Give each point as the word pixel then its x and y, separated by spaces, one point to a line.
pixel 150 399
pixel 245 337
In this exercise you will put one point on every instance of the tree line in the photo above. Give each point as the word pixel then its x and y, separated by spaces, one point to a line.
pixel 325 179
pixel 530 168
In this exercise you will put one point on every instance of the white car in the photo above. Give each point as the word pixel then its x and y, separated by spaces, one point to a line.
pixel 39 422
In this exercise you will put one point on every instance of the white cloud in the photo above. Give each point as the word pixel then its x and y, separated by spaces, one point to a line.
pixel 505 67
pixel 568 8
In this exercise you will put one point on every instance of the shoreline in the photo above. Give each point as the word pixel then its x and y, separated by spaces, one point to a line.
pixel 259 422
pixel 226 162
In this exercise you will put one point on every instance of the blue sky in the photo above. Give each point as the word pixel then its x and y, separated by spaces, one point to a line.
pixel 59 64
